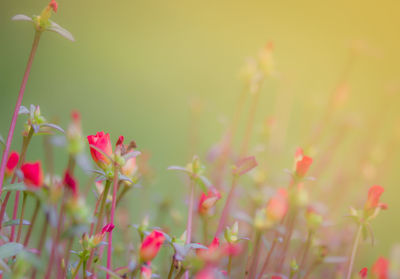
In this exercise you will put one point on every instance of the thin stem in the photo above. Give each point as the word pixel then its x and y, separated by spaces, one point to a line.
pixel 77 269
pixel 190 217
pixel 21 218
pixel 113 204
pixel 171 269
pixel 84 270
pixel 227 206
pixel 267 259
pixel 33 220
pixel 290 227
pixel 21 160
pixel 354 251
pixel 305 253
pixel 55 242
pixel 25 144
pixel 42 241
pixel 229 265
pixel 180 273
pixel 254 257
pixel 205 229
pixel 17 106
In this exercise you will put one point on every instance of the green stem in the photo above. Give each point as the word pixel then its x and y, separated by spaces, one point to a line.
pixel 306 249
pixel 77 269
pixel 171 269
pixel 229 265
pixel 180 273
pixel 84 269
pixel 354 251
pixel 33 221
pixel 21 218
pixel 254 257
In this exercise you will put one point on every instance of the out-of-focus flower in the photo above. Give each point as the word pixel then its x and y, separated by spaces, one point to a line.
pixel 302 162
pixel 374 195
pixel 212 254
pixel 151 245
pixel 70 182
pixel 97 238
pixel 276 277
pixel 107 228
pixel 12 162
pixel 74 134
pixel 266 60
pixel 208 201
pixel 277 206
pixel 102 142
pixel 145 272
pixel 363 273
pixel 54 5
pixel 313 219
pixel 380 269
pixel 206 273
pixel 33 175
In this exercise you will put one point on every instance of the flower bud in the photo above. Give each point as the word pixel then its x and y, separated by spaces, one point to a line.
pixel 380 269
pixel 363 273
pixel 207 202
pixel 33 175
pixel 302 163
pixel 102 142
pixel 12 162
pixel 151 245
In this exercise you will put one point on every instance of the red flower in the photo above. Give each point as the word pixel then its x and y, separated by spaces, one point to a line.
pixel 374 195
pixel 151 245
pixel 363 273
pixel 53 5
pixel 278 205
pixel 380 268
pixel 33 175
pixel 102 142
pixel 303 163
pixel 212 254
pixel 12 163
pixel 208 201
pixel 70 183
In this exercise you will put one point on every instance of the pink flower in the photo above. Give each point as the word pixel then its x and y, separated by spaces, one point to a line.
pixel 12 163
pixel 206 273
pixel 363 273
pixel 208 201
pixel 53 5
pixel 33 175
pixel 107 228
pixel 151 245
pixel 303 163
pixel 380 268
pixel 374 195
pixel 212 254
pixel 145 272
pixel 278 205
pixel 102 142
pixel 70 182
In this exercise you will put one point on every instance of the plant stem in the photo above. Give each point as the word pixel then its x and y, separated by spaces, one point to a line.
pixel 55 241
pixel 256 249
pixel 354 251
pixel 227 206
pixel 84 270
pixel 24 148
pixel 103 197
pixel 17 106
pixel 33 220
pixel 42 241
pixel 171 269
pixel 113 204
pixel 21 218
pixel 190 217
pixel 290 227
pixel 25 144
pixel 205 229
pixel 229 265
pixel 179 275
pixel 77 269
pixel 266 262
pixel 305 253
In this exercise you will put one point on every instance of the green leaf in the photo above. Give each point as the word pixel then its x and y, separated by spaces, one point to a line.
pixel 22 18
pixel 10 223
pixel 58 29
pixel 15 187
pixel 10 249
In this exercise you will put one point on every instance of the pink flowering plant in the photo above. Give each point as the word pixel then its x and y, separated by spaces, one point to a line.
pixel 238 223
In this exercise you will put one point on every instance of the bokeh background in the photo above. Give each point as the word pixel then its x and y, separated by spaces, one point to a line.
pixel 137 66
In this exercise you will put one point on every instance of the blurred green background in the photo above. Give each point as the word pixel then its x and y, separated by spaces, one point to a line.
pixel 136 65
